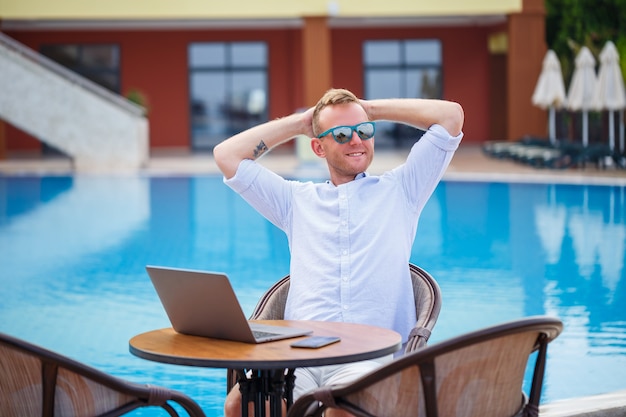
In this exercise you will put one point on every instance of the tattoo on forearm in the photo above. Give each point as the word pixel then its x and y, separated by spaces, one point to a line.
pixel 260 149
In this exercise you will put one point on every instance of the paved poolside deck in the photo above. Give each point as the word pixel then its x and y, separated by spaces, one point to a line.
pixel 469 163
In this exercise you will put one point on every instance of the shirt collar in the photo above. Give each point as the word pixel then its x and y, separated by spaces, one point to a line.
pixel 356 177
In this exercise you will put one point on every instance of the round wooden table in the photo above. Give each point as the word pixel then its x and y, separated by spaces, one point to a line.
pixel 265 370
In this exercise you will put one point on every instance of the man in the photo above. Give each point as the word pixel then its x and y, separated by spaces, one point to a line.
pixel 350 237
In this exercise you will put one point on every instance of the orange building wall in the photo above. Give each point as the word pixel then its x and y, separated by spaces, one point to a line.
pixel 527 48
pixel 159 67
pixel 465 67
pixel 155 62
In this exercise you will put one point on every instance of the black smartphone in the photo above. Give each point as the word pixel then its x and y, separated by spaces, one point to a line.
pixel 314 342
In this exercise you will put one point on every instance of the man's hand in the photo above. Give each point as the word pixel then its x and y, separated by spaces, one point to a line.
pixel 307 122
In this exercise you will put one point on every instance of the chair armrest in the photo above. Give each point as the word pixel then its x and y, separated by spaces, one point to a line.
pixel 417 339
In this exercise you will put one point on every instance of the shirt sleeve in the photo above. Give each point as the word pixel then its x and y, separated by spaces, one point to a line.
pixel 440 137
pixel 266 191
pixel 427 162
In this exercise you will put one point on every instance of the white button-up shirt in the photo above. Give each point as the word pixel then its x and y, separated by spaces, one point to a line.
pixel 350 244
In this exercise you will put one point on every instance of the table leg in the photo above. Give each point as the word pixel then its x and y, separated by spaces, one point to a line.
pixel 253 386
pixel 245 388
pixel 263 386
pixel 276 391
pixel 290 383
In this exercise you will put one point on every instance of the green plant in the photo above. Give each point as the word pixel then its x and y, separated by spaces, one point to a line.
pixel 571 24
pixel 138 97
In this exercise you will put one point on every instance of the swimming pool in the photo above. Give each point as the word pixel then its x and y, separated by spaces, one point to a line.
pixel 73 251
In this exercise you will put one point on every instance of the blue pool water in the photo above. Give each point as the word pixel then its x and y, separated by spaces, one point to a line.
pixel 73 251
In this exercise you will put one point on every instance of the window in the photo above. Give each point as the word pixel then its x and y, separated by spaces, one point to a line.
pixel 401 68
pixel 228 89
pixel 98 62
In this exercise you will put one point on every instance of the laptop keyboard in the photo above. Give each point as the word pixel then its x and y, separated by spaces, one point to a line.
pixel 258 334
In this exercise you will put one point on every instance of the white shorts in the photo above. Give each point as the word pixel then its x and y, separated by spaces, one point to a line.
pixel 308 379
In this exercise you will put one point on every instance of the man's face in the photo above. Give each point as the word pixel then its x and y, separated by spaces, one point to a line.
pixel 345 160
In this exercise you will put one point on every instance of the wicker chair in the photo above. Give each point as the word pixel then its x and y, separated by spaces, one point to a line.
pixel 37 382
pixel 478 374
pixel 426 291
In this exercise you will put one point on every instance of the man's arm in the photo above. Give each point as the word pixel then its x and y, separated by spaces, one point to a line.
pixel 256 141
pixel 420 113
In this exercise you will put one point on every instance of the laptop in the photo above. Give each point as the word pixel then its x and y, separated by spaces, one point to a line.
pixel 203 303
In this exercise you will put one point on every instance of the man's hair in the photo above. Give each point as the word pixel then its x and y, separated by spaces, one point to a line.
pixel 334 96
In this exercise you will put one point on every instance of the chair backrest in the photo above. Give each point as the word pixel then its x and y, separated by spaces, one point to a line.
pixel 271 306
pixel 428 301
pixel 39 382
pixel 479 374
pixel 426 291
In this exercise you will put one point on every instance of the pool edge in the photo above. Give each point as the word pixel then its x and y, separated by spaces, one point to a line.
pixel 611 404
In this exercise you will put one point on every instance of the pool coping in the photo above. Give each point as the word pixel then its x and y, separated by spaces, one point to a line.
pixel 469 164
pixel 611 404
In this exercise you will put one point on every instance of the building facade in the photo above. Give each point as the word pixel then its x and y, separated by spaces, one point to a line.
pixel 205 71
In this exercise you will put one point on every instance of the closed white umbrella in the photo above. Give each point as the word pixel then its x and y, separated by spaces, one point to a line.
pixel 609 93
pixel 582 87
pixel 550 90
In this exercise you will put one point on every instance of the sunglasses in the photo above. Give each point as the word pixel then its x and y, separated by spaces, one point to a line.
pixel 343 134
